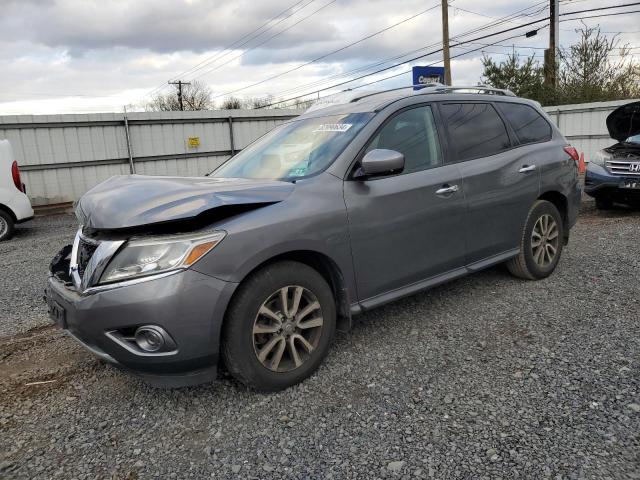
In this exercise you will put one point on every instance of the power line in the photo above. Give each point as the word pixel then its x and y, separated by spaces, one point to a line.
pixel 431 64
pixel 235 44
pixel 327 54
pixel 424 55
pixel 514 15
pixel 598 16
pixel 507 19
pixel 222 53
pixel 601 8
pixel 510 17
pixel 411 60
pixel 217 67
pixel 484 46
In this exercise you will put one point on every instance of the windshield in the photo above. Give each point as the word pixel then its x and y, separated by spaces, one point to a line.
pixel 295 150
pixel 633 139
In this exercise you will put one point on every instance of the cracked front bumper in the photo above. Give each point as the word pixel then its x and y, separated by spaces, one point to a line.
pixel 189 305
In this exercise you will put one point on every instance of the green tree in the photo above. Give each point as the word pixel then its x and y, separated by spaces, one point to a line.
pixel 524 78
pixel 597 69
pixel 594 69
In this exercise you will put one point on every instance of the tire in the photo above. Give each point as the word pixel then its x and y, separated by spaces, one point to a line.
pixel 604 203
pixel 6 226
pixel 535 261
pixel 243 351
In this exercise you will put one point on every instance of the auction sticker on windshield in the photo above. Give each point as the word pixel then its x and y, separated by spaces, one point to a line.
pixel 334 127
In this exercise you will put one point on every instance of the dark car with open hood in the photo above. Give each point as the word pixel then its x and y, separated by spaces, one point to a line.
pixel 352 205
pixel 614 174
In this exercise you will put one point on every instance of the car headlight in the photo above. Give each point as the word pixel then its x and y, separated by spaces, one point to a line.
pixel 148 256
pixel 601 158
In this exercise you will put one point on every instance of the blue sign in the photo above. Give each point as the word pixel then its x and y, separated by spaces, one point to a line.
pixel 422 75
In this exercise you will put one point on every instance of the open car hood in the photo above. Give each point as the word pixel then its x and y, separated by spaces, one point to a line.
pixel 624 121
pixel 127 201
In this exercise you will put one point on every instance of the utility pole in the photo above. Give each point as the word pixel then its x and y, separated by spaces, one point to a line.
pixel 180 83
pixel 551 54
pixel 445 42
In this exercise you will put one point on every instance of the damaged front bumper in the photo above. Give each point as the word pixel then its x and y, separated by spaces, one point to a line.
pixel 186 305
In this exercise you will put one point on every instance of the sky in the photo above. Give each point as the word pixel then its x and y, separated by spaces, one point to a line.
pixel 77 56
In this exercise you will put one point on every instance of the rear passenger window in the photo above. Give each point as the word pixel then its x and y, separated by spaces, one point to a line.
pixel 412 133
pixel 527 123
pixel 475 129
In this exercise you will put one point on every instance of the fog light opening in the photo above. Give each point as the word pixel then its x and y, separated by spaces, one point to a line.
pixel 150 338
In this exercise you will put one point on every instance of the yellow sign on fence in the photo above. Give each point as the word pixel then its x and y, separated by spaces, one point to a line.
pixel 194 142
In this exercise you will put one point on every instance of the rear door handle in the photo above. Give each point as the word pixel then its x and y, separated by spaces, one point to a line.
pixel 527 169
pixel 447 190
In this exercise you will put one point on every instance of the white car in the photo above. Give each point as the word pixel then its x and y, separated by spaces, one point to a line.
pixel 15 206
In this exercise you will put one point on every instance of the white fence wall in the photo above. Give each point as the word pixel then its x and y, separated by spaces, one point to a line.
pixel 63 156
pixel 584 124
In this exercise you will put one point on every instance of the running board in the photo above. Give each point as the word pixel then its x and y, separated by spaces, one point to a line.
pixel 387 297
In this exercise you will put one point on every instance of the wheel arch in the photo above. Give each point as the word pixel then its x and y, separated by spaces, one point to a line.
pixel 326 267
pixel 6 209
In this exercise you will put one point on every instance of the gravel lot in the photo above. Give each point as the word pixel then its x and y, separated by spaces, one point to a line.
pixel 486 377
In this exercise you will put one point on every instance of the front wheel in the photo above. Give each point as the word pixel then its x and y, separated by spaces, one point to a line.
pixel 279 326
pixel 541 243
pixel 6 226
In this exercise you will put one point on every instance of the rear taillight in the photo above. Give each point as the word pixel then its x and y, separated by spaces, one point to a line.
pixel 573 153
pixel 15 173
pixel 579 159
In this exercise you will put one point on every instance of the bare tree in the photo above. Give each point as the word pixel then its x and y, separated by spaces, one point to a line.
pixel 260 102
pixel 231 103
pixel 195 96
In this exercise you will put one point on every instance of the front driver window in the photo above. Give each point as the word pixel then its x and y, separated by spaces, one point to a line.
pixel 412 133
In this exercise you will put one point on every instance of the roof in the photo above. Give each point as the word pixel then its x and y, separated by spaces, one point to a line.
pixel 372 101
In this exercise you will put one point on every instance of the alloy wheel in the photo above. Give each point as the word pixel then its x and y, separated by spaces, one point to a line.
pixel 287 328
pixel 544 240
pixel 4 226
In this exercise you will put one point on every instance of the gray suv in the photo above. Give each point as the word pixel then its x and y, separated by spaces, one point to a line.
pixel 349 206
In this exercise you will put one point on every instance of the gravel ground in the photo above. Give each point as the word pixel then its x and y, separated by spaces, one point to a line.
pixel 25 261
pixel 486 377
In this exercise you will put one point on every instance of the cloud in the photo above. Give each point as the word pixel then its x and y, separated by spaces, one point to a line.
pixel 101 54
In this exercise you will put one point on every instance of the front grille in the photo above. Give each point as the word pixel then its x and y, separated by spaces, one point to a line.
pixel 628 165
pixel 86 249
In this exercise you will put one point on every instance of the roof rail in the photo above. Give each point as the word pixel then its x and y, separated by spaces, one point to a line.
pixel 350 96
pixel 473 88
pixel 436 87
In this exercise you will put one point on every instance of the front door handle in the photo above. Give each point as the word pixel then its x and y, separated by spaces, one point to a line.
pixel 527 169
pixel 447 190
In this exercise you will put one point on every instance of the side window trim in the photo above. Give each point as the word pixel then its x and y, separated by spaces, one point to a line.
pixel 517 142
pixel 513 138
pixel 454 156
pixel 352 167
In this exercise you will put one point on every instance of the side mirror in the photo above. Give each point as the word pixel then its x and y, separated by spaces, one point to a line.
pixel 381 161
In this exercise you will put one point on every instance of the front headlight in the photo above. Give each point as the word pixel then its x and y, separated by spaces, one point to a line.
pixel 148 256
pixel 601 158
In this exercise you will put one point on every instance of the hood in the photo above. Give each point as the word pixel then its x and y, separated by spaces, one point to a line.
pixel 127 201
pixel 624 121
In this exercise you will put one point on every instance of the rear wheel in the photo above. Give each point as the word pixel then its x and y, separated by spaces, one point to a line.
pixel 541 244
pixel 604 203
pixel 279 326
pixel 6 226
